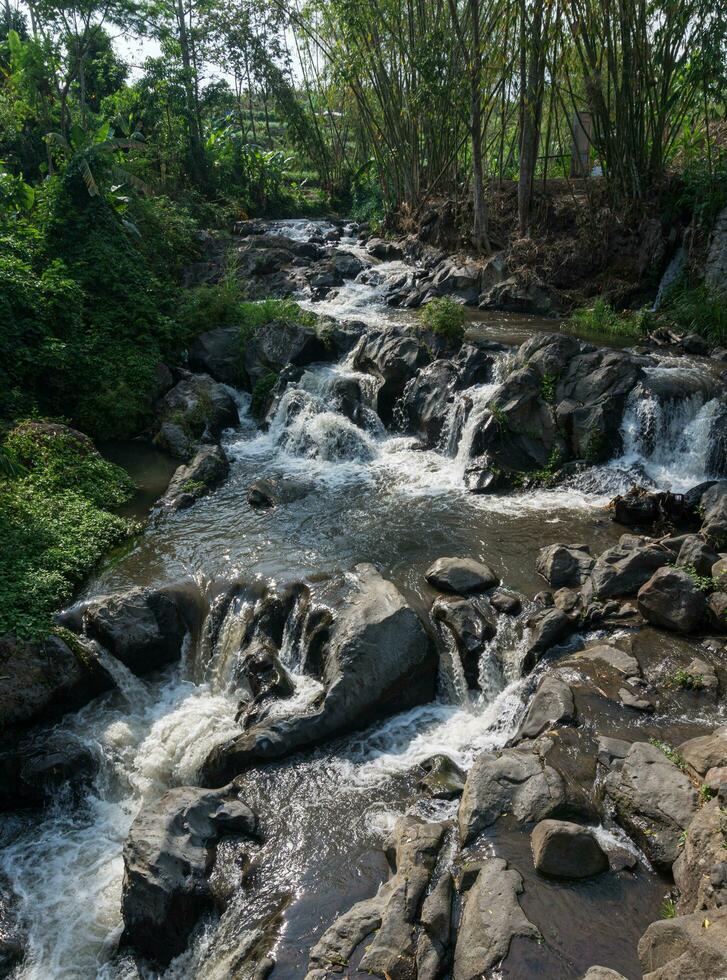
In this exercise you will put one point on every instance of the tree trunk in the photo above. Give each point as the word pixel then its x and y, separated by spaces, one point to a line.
pixel 480 237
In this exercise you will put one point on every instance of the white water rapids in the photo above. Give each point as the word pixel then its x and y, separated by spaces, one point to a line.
pixel 366 494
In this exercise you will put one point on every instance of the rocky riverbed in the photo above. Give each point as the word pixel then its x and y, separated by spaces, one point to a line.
pixel 418 669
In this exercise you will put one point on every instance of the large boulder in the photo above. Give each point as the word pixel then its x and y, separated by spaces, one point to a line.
pixel 552 705
pixel 688 947
pixel 168 857
pixel 13 938
pixel 622 570
pixel 394 356
pixel 566 850
pixel 713 507
pixel 461 575
pixel 195 479
pixel 715 266
pixel 369 656
pixel 196 408
pixel 218 353
pixel 45 678
pixel 471 623
pixel 427 398
pixel 564 565
pixel 491 919
pixel 272 346
pixel 705 752
pixel 697 554
pixel 654 801
pixel 143 628
pixel 517 781
pixel 672 600
pixel 700 871
pixel 34 769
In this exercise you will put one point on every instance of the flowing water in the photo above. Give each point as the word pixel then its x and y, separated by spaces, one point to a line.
pixel 356 493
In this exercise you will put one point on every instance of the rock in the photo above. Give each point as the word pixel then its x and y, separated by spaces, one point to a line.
pixel 715 777
pixel 516 781
pixel 143 628
pixel 491 919
pixel 671 600
pixel 174 439
pixel 393 914
pixel 612 751
pixel 394 356
pixel 654 801
pixel 602 973
pixel 34 770
pixel 195 479
pixel 505 602
pixel 13 938
pixel 566 850
pixel 695 553
pixel 715 266
pixel 688 947
pixel 562 564
pixel 44 679
pixel 637 507
pixel 713 506
pixel 269 492
pixel 274 345
pixel 552 705
pixel 471 622
pixel 516 296
pixel 700 871
pixel 426 401
pixel 167 859
pixel 381 249
pixel 218 353
pixel 369 655
pixel 718 571
pixel 631 700
pixel 614 657
pixel 705 752
pixel 433 954
pixel 195 408
pixel 461 575
pixel 705 676
pixel 443 778
pixel 550 627
pixel 622 571
pixel 717 611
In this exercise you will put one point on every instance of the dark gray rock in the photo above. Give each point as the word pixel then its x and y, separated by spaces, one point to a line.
pixel 516 781
pixel 705 752
pixel 562 564
pixel 394 356
pixel 621 571
pixel 631 700
pixel 461 575
pixel 273 346
pixel 671 599
pixel 654 801
pixel 381 249
pixel 566 850
pixel 552 704
pixel 506 602
pixel 370 655
pixel 550 627
pixel 612 656
pixel 195 479
pixel 717 611
pixel 218 353
pixel 196 408
pixel 46 678
pixel 713 506
pixel 143 628
pixel 491 919
pixel 33 770
pixel 13 936
pixel 612 751
pixel 442 779
pixel 167 860
pixel 684 948
pixel 426 401
pixel 697 554
pixel 471 622
pixel 700 871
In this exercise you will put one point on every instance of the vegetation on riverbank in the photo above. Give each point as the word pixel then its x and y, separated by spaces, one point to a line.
pixel 57 495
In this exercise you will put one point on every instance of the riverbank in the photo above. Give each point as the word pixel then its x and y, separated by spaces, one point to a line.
pixel 247 635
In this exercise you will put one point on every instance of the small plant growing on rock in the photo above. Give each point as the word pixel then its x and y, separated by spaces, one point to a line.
pixel 670 752
pixel 706 793
pixel 686 681
pixel 547 388
pixel 705 583
pixel 668 908
pixel 445 317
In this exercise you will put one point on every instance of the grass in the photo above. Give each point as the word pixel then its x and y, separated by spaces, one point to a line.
pixel 55 524
pixel 602 322
pixel 696 309
pixel 668 909
pixel 445 318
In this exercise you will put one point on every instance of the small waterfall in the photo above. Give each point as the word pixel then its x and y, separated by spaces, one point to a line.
pixel 133 690
pixel 451 670
pixel 671 274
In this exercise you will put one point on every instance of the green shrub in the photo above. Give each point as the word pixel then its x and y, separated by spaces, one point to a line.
pixel 445 317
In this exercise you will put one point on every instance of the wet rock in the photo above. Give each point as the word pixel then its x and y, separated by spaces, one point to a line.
pixel 394 356
pixel 274 345
pixel 269 492
pixel 516 296
pixel 715 266
pixel 167 859
pixel 612 656
pixel 705 752
pixel 670 599
pixel 717 611
pixel 612 751
pixel 491 919
pixel 392 914
pixel 143 628
pixel 471 622
pixel 218 353
pixel 474 363
pixel 700 871
pixel 654 801
pixel 550 627
pixel 564 565
pixel 566 850
pixel 552 704
pixel 381 249
pixel 688 947
pixel 637 507
pixel 461 575
pixel 195 408
pixel 506 602
pixel 195 479
pixel 34 770
pixel 705 676
pixel 443 778
pixel 695 553
pixel 622 570
pixel 433 953
pixel 719 570
pixel 458 279
pixel 713 505
pixel 516 781
pixel 370 656
pixel 631 700
pixel 13 937
pixel 44 679
pixel 426 401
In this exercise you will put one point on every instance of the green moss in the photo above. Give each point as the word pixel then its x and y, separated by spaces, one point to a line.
pixel 72 641
pixel 547 388
pixel 602 322
pixel 444 317
pixel 261 392
pixel 194 487
pixel 595 446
